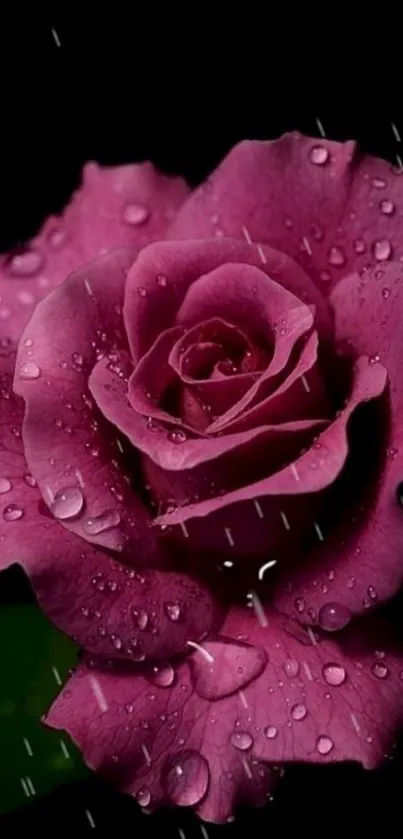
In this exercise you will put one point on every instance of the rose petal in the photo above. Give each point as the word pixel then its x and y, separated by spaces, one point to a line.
pixel 163 273
pixel 73 454
pixel 361 565
pixel 325 204
pixel 156 737
pixel 114 207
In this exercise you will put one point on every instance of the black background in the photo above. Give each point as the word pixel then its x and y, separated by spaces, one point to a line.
pixel 168 101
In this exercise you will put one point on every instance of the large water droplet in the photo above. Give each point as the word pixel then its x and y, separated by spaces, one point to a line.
pixel 336 256
pixel 387 207
pixel 382 250
pixel 162 675
pixel 29 480
pixel 185 778
pixel 319 155
pixel 97 524
pixel 26 264
pixel 242 740
pixel 29 370
pixel 271 732
pixel 12 512
pixel 173 610
pixel 140 618
pixel 291 667
pixel 68 503
pixel 333 616
pixel 5 485
pixel 223 667
pixel 177 436
pixel 135 214
pixel 143 796
pixel 324 745
pixel 379 183
pixel 379 669
pixel 334 674
pixel 298 712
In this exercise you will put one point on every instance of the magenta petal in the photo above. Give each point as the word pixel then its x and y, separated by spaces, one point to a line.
pixel 361 565
pixel 155 737
pixel 114 207
pixel 73 454
pixel 328 206
pixel 164 272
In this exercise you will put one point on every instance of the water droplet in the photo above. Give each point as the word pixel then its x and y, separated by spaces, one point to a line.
pixel 382 250
pixel 299 604
pixel 316 232
pixel 57 238
pixel 271 732
pixel 5 485
pixel 135 214
pixel 333 616
pixel 140 618
pixel 77 360
pixel 324 745
pixel 334 674
pixel 173 610
pixel 242 740
pixel 29 370
pixel 379 669
pixel 387 207
pixel 385 293
pixel 26 263
pixel 30 480
pixel 12 512
pixel 177 436
pixel 162 675
pixel 298 712
pixel 143 796
pixel 372 593
pixel 336 256
pixel 379 183
pixel 117 643
pixel 141 291
pixel 359 246
pixel 97 524
pixel 185 778
pixel 374 359
pixel 319 155
pixel 291 668
pixel 68 503
pixel 161 280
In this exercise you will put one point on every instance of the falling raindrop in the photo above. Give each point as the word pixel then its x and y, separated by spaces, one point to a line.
pixel 334 674
pixel 333 616
pixel 68 503
pixel 185 778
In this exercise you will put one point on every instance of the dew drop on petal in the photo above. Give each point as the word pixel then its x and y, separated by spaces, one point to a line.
pixel 385 293
pixel 333 616
pixel 97 524
pixel 336 256
pixel 291 667
pixel 298 712
pixel 177 436
pixel 359 246
pixel 140 618
pixel 324 745
pixel 161 280
pixel 242 740
pixel 387 207
pixel 161 674
pixel 319 155
pixel 29 370
pixel 5 485
pixel 13 512
pixel 26 264
pixel 382 250
pixel 141 291
pixel 334 674
pixel 379 183
pixel 68 503
pixel 57 238
pixel 173 610
pixel 143 796
pixel 135 214
pixel 29 480
pixel 379 669
pixel 185 778
pixel 271 732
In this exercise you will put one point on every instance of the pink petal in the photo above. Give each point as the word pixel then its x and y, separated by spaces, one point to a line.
pixel 114 207
pixel 156 737
pixel 325 204
pixel 360 565
pixel 164 272
pixel 74 455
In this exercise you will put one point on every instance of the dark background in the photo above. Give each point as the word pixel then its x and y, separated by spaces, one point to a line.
pixel 67 97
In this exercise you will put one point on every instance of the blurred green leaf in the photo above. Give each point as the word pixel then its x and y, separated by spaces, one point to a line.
pixel 34 662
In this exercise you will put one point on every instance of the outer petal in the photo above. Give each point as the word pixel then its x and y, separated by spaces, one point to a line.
pixel 70 449
pixel 114 207
pixel 319 201
pixel 362 565
pixel 208 739
pixel 164 272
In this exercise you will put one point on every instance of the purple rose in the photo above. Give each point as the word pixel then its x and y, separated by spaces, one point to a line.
pixel 201 465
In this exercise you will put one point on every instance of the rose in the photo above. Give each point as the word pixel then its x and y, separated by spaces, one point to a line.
pixel 202 476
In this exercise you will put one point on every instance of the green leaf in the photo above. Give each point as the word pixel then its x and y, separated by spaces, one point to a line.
pixel 34 662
